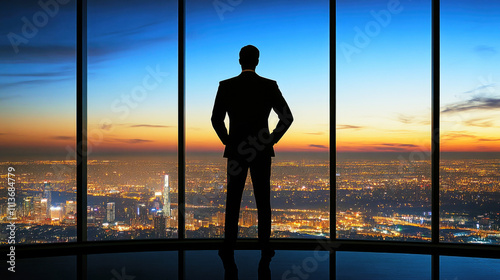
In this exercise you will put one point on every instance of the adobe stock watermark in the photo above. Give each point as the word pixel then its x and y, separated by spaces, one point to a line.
pixel 223 6
pixel 122 107
pixel 11 215
pixel 121 276
pixel 31 26
pixel 249 148
pixel 309 265
pixel 363 36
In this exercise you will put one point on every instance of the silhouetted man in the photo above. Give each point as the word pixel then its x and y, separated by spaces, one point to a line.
pixel 248 100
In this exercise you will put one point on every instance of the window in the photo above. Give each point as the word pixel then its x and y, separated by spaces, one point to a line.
pixel 383 119
pixel 469 119
pixel 37 109
pixel 383 93
pixel 293 48
pixel 132 120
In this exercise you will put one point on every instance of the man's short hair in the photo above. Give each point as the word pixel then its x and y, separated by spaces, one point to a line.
pixel 249 56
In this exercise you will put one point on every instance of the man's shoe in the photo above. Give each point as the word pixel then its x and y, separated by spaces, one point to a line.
pixel 267 254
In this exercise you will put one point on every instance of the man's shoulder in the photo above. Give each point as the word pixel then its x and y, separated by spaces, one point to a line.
pixel 240 78
pixel 230 80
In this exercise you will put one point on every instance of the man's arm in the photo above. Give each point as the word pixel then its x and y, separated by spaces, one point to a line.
pixel 218 115
pixel 284 114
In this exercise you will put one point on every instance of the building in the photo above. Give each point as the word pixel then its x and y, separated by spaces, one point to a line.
pixel 110 212
pixel 70 208
pixel 47 194
pixel 45 209
pixel 56 213
pixel 37 207
pixel 166 197
pixel 27 207
pixel 159 224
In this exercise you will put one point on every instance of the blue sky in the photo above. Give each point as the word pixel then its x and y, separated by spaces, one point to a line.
pixel 383 89
pixel 293 38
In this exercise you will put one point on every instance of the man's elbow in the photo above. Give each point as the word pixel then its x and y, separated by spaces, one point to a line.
pixel 288 120
pixel 215 120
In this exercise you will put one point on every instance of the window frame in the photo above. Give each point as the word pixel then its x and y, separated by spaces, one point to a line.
pixel 82 247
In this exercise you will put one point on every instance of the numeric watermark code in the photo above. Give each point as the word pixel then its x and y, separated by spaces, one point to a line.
pixel 11 214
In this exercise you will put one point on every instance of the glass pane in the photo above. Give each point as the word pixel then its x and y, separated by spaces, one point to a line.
pixel 138 265
pixel 470 98
pixel 294 51
pixel 383 120
pixel 54 268
pixel 381 266
pixel 451 268
pixel 132 119
pixel 284 265
pixel 38 113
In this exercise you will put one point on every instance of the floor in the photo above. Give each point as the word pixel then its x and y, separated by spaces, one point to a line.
pixel 286 265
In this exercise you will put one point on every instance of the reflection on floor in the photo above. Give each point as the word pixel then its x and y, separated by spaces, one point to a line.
pixel 286 265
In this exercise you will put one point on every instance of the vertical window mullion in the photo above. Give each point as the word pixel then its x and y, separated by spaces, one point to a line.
pixel 435 135
pixel 181 121
pixel 333 122
pixel 81 123
pixel 435 121
pixel 81 135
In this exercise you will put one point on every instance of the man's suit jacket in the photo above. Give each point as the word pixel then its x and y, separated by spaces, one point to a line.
pixel 248 100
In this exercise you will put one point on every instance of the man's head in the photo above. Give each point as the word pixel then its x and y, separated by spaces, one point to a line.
pixel 249 57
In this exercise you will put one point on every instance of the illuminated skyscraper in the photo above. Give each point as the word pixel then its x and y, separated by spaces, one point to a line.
pixel 47 194
pixel 142 214
pixel 70 208
pixel 166 198
pixel 56 213
pixel 27 206
pixel 45 209
pixel 110 212
pixel 37 207
pixel 159 225
pixel 157 204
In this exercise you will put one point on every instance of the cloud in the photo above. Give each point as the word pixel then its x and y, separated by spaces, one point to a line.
pixel 33 82
pixel 318 146
pixel 37 74
pixel 481 87
pixel 38 54
pixel 405 118
pixel 457 134
pixel 476 103
pixel 488 139
pixel 348 126
pixel 133 30
pixel 150 125
pixel 62 137
pixel 133 141
pixel 399 145
pixel 1 134
pixel 390 149
pixel 106 126
pixel 393 147
pixel 479 122
pixel 485 51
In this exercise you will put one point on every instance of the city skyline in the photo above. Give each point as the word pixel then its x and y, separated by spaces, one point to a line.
pixel 376 199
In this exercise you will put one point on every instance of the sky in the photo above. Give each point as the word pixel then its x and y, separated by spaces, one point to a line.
pixel 384 76
pixel 383 73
